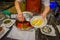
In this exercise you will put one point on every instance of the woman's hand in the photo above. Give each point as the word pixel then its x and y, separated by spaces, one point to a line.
pixel 20 17
pixel 43 15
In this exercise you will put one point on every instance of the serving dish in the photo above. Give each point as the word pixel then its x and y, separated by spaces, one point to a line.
pixel 27 15
pixel 4 31
pixel 48 30
pixel 1 30
pixel 38 21
pixel 8 23
pixel 24 26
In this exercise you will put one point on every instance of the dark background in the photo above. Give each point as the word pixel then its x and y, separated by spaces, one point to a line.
pixel 14 0
pixel 7 0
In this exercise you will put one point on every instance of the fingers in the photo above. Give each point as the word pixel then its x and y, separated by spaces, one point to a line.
pixel 43 15
pixel 20 18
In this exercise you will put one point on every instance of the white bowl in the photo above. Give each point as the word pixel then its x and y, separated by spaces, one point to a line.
pixel 8 23
pixel 27 15
pixel 36 26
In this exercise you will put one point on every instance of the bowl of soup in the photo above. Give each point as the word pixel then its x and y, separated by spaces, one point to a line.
pixel 23 25
pixel 7 21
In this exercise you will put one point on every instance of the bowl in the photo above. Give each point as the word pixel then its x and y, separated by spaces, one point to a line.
pixel 38 21
pixel 23 25
pixel 1 30
pixel 7 21
pixel 27 15
pixel 46 29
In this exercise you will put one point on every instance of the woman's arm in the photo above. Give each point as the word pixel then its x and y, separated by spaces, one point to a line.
pixel 46 4
pixel 46 10
pixel 20 16
pixel 18 7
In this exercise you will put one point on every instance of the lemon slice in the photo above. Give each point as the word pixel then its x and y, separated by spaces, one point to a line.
pixel 39 22
pixel 34 21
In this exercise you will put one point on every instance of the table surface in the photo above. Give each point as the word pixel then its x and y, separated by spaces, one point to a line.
pixel 39 35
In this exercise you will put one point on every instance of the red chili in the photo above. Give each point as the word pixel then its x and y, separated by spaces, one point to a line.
pixel 19 25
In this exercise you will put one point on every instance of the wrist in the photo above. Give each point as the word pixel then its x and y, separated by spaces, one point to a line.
pixel 20 14
pixel 43 15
